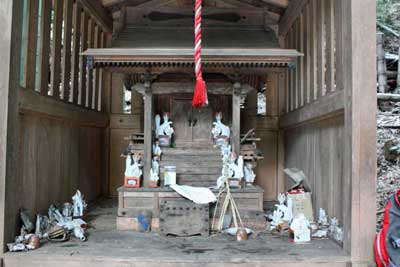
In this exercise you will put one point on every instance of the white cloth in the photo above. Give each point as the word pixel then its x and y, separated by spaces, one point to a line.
pixel 199 195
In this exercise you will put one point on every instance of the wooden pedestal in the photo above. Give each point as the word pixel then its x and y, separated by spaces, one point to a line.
pixel 133 201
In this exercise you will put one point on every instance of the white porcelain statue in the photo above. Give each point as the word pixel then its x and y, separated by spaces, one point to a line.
pixel 283 213
pixel 157 149
pixel 236 169
pixel 219 128
pixel 79 204
pixel 164 128
pixel 132 166
pixel 249 175
pixel 155 170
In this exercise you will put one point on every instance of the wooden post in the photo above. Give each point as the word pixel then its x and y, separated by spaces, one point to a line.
pixel 148 129
pixel 382 76
pixel 10 43
pixel 235 135
pixel 398 70
pixel 55 78
pixel 359 80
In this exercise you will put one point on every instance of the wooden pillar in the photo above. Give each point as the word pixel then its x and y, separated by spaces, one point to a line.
pixel 10 43
pixel 235 135
pixel 398 70
pixel 382 75
pixel 359 80
pixel 148 130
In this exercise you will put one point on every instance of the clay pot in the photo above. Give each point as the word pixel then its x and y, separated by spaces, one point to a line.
pixel 241 234
pixel 34 242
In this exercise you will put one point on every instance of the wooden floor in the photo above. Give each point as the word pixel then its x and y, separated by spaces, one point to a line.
pixel 108 247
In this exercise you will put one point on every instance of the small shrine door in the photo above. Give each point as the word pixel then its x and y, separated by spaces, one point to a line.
pixel 191 125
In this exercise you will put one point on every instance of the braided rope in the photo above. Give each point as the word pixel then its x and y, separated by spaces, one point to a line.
pixel 200 96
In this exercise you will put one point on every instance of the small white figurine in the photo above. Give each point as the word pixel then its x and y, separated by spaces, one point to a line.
pixel 283 213
pixel 249 175
pixel 78 203
pixel 155 170
pixel 323 217
pixel 219 128
pixel 236 170
pixel 164 128
pixel 157 149
pixel 132 166
pixel 301 229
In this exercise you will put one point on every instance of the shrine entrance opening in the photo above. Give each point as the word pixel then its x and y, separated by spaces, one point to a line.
pixel 193 126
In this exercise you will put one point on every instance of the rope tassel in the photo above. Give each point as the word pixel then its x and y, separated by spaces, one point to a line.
pixel 200 98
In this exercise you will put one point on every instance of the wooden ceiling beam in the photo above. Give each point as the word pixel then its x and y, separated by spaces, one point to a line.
pixel 278 3
pixel 99 13
pixel 262 3
pixel 291 14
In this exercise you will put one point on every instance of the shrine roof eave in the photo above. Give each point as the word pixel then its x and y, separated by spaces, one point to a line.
pixel 183 57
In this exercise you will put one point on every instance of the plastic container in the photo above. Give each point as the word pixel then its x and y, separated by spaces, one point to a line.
pixel 169 175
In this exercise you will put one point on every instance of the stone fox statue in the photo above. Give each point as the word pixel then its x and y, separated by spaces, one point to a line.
pixel 219 128
pixel 165 128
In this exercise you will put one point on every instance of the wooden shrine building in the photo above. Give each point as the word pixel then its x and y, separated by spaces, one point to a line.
pixel 78 77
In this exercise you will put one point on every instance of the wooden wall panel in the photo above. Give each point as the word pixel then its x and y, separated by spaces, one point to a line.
pixel 267 168
pixel 57 158
pixel 317 149
pixel 121 126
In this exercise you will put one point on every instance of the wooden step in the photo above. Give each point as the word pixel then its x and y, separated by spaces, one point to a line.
pixel 191 163
pixel 191 158
pixel 197 170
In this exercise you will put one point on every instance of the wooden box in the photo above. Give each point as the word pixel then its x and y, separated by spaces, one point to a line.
pixel 184 218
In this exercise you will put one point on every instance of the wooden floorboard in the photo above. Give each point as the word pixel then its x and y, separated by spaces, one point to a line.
pixel 108 247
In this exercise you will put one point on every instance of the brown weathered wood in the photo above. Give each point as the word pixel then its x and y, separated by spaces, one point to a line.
pixel 218 88
pixel 306 59
pixel 29 70
pixel 82 63
pixel 96 72
pixel 338 46
pixel 55 60
pixel 44 48
pixel 76 25
pixel 11 17
pixel 66 52
pixel 235 132
pixel 382 74
pixel 327 106
pixel 321 55
pixel 359 39
pixel 313 50
pixel 291 14
pixel 96 11
pixel 148 133
pixel 89 79
pixel 389 97
pixel 31 103
pixel 330 45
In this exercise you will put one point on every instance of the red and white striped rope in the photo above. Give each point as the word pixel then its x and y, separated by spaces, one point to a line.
pixel 197 39
pixel 200 93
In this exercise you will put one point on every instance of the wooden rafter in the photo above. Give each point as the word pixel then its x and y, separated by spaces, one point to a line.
pixel 291 14
pixel 99 13
pixel 266 4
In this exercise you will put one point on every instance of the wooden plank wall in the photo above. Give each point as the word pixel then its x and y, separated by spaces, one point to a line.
pixel 56 159
pixel 62 73
pixel 317 73
pixel 315 149
pixel 312 108
pixel 56 144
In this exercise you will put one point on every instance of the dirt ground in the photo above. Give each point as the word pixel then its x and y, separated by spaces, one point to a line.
pixel 388 180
